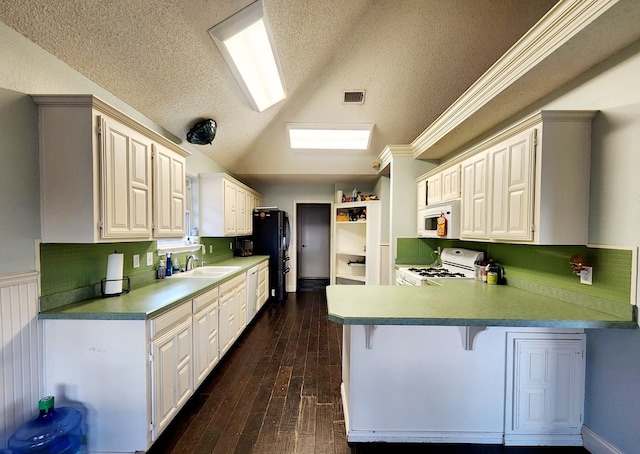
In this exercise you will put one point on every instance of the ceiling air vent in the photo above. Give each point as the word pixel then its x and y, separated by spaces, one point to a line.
pixel 353 97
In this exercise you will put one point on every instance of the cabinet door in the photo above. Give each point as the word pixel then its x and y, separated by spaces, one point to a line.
pixel 263 279
pixel 474 197
pixel 241 307
pixel 206 337
pixel 169 200
pixel 125 182
pixel 241 211
pixel 434 189
pixel 451 183
pixel 422 194
pixel 548 388
pixel 227 321
pixel 230 209
pixel 171 380
pixel 512 188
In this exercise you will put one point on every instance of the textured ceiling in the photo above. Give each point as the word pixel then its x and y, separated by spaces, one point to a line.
pixel 413 58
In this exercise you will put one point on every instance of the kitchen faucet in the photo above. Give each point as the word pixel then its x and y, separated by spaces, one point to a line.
pixel 190 259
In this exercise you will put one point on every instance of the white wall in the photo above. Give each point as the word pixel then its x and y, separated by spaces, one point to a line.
pixel 19 182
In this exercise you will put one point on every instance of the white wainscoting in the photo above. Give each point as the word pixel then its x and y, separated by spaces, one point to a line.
pixel 21 377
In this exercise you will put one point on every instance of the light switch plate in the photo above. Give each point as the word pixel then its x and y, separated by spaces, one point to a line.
pixel 136 261
pixel 149 258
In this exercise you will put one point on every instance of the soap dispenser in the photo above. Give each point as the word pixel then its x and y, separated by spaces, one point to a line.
pixel 169 264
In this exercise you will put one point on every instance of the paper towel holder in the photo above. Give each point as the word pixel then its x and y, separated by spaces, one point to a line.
pixel 126 286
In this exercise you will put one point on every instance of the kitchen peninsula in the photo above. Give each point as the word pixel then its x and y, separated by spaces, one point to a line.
pixel 461 361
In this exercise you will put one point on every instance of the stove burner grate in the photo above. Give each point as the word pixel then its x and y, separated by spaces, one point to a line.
pixel 435 272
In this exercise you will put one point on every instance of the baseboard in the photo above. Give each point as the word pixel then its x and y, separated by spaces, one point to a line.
pixel 543 440
pixel 399 436
pixel 595 444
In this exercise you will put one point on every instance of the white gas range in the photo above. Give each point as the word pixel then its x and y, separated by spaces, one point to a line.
pixel 456 263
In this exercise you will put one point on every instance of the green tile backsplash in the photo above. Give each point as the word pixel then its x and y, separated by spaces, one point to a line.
pixel 73 272
pixel 544 269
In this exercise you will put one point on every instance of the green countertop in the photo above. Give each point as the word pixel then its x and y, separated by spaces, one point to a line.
pixel 460 302
pixel 150 300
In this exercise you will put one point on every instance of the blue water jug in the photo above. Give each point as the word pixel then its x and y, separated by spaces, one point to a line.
pixel 54 430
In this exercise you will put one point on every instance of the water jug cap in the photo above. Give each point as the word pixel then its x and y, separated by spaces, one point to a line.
pixel 46 404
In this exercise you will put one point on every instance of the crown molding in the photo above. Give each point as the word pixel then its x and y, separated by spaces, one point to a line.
pixel 532 54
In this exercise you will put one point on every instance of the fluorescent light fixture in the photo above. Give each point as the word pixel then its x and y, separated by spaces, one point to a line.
pixel 329 137
pixel 245 43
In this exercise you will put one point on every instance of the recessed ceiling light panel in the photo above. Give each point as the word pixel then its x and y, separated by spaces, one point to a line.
pixel 329 136
pixel 245 43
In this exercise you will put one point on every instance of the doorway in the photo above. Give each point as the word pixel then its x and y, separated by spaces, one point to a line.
pixel 313 227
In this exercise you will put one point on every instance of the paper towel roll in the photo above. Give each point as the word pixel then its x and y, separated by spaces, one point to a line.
pixel 339 196
pixel 115 264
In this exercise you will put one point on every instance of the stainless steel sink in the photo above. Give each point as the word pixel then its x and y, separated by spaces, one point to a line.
pixel 208 272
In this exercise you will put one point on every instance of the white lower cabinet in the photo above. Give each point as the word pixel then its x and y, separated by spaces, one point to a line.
pixel 263 279
pixel 545 389
pixel 227 316
pixel 240 295
pixel 206 334
pixel 171 350
pixel 133 376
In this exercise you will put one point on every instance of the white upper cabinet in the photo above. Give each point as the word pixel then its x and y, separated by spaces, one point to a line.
pixel 439 186
pixel 530 183
pixel 422 193
pixel 434 189
pixel 473 212
pixel 169 194
pixel 126 181
pixel 226 206
pixel 511 188
pixel 451 183
pixel 99 179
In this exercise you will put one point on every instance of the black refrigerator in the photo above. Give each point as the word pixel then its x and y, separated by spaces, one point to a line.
pixel 270 237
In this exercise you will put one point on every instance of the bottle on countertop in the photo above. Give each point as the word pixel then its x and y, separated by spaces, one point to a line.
pixel 176 265
pixel 162 270
pixel 169 264
pixel 492 272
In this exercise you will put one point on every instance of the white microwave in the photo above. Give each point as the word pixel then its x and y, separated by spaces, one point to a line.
pixel 428 220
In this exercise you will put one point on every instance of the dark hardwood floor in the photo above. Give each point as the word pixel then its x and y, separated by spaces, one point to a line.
pixel 277 391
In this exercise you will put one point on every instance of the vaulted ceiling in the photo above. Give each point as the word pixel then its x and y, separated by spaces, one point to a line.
pixel 413 58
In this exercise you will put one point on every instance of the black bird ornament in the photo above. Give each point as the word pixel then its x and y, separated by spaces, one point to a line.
pixel 203 132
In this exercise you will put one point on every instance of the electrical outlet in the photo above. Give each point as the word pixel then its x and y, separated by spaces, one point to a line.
pixel 586 275
pixel 136 261
pixel 149 258
pixel 231 245
pixel 211 249
pixel 204 249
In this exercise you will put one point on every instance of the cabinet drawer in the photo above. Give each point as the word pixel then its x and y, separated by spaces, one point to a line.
pixel 165 321
pixel 203 300
pixel 230 285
